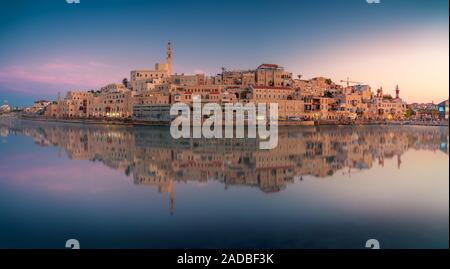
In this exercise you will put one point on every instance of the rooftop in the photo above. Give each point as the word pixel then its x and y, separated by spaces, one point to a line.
pixel 272 66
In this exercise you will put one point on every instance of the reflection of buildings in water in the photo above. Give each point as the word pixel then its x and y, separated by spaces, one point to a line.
pixel 155 159
pixel 153 167
pixel 4 132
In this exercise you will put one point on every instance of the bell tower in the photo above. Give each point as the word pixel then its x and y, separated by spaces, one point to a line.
pixel 169 58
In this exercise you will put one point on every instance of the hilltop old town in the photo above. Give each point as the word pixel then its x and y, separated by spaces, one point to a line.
pixel 148 95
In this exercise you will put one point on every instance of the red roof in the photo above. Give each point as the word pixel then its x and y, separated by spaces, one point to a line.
pixel 268 66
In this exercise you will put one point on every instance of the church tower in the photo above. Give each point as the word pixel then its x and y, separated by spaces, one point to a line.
pixel 169 58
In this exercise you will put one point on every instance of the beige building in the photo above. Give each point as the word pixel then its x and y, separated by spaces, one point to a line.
pixel 355 99
pixel 317 86
pixel 146 76
pixel 188 80
pixel 288 108
pixel 151 97
pixel 74 105
pixel 272 75
pixel 318 107
pixel 52 110
pixel 113 101
pixel 38 106
pixel 161 71
pixel 214 80
pixel 208 93
pixel 157 84
pixel 239 77
pixel 385 107
pixel 271 93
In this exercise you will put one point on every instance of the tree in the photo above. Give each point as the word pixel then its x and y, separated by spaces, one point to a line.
pixel 435 114
pixel 328 94
pixel 328 81
pixel 409 112
pixel 387 97
pixel 125 82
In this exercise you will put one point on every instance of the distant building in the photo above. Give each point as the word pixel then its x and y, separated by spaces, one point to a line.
pixel 443 110
pixel 51 110
pixel 38 107
pixel 5 108
pixel 385 107
pixel 423 106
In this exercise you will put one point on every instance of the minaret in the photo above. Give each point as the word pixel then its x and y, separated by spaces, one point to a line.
pixel 169 58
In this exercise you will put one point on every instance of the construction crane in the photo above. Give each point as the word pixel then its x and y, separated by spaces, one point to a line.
pixel 348 82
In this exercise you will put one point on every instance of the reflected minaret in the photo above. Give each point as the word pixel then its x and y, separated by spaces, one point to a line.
pixel 172 198
pixel 381 160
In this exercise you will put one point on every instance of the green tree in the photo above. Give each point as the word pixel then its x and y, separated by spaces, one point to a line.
pixel 409 112
pixel 328 94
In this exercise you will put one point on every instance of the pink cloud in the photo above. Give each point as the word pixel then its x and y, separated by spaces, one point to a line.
pixel 62 74
pixel 199 71
pixel 68 178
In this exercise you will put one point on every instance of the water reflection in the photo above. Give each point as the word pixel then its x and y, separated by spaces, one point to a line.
pixel 152 158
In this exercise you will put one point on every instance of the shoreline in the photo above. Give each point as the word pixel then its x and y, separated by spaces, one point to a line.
pixel 280 123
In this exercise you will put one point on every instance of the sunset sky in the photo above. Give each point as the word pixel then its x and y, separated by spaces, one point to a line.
pixel 49 46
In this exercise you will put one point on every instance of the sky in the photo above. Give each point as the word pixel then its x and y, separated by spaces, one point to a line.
pixel 50 46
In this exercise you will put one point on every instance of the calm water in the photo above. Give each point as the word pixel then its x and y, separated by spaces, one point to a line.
pixel 135 187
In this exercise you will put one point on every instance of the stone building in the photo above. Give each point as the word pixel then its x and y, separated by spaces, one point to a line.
pixel 74 105
pixel 161 71
pixel 113 101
